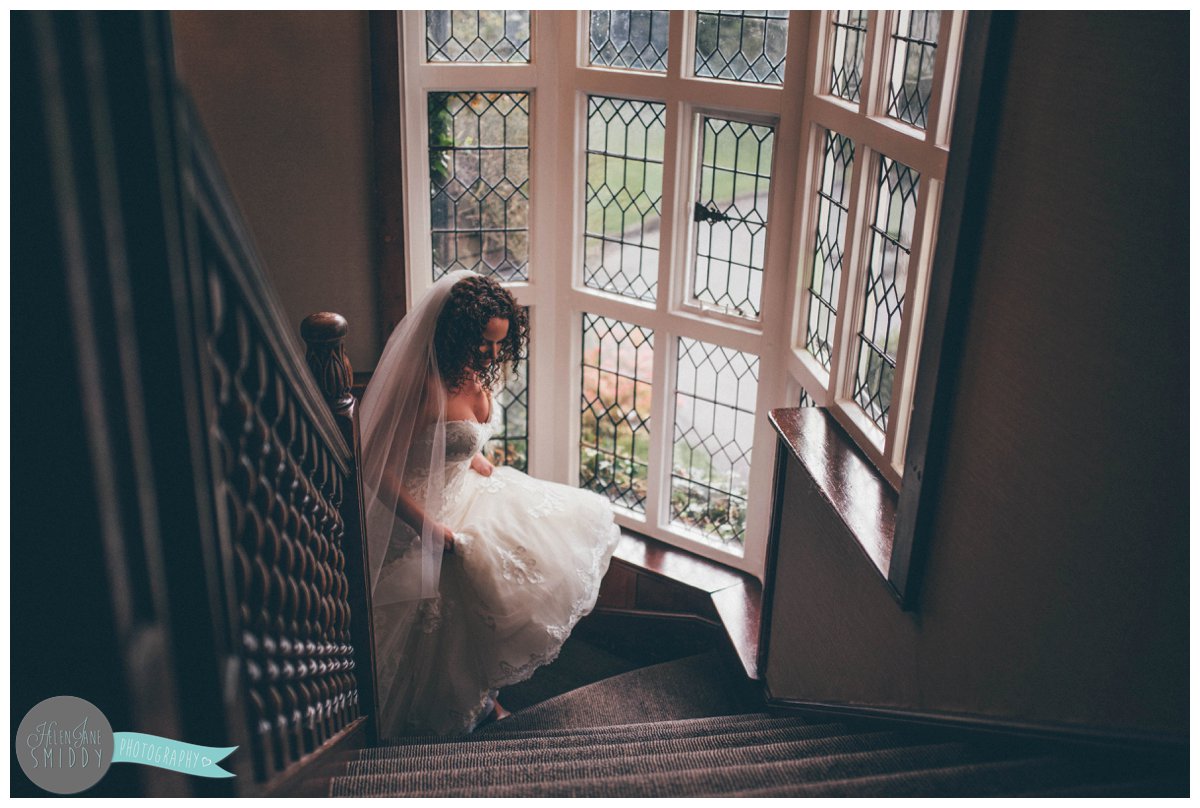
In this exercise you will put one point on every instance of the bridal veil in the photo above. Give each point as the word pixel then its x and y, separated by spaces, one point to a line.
pixel 402 424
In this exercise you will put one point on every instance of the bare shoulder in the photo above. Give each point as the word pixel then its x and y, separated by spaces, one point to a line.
pixel 433 388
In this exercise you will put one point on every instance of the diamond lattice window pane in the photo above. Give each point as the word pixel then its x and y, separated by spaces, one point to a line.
pixel 479 183
pixel 509 446
pixel 623 197
pixel 631 39
pixel 742 45
pixel 614 426
pixel 715 394
pixel 731 215
pixel 477 36
pixel 914 45
pixel 846 57
pixel 805 399
pixel 887 278
pixel 833 202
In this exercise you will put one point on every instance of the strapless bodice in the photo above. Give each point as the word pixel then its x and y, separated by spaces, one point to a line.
pixel 464 439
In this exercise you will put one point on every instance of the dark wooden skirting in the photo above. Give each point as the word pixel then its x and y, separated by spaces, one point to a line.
pixel 983 727
pixel 778 486
pixel 648 576
pixel 651 614
pixel 309 776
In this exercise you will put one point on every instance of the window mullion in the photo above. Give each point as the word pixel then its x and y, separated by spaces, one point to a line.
pixel 677 161
pixel 803 259
pixel 553 241
pixel 806 213
pixel 679 54
pixel 924 227
pixel 936 114
pixel 662 428
pixel 415 148
pixel 850 296
pixel 874 82
pixel 777 284
pixel 949 52
pixel 673 228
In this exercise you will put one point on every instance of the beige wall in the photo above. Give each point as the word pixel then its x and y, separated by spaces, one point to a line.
pixel 285 99
pixel 1057 587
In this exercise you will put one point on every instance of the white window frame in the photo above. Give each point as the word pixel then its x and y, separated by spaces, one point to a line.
pixel 559 81
pixel 874 133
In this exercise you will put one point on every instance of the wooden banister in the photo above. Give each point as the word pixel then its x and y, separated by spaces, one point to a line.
pixel 211 528
pixel 324 335
pixel 286 473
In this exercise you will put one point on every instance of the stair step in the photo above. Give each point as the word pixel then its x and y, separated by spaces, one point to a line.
pixel 621 733
pixel 980 779
pixel 1164 787
pixel 863 748
pixel 519 752
pixel 693 687
pixel 689 777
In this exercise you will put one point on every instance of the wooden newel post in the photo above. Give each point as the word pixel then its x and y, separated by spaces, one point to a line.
pixel 324 334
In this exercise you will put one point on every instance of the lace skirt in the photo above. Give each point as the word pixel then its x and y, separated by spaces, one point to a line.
pixel 529 557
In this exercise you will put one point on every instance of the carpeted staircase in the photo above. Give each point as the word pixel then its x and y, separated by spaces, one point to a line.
pixel 682 728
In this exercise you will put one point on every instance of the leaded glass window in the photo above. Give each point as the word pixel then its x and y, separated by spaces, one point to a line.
pixel 731 215
pixel 846 60
pixel 477 36
pixel 630 39
pixel 914 45
pixel 655 158
pixel 742 45
pixel 614 428
pixel 623 196
pixel 833 204
pixel 887 277
pixel 479 183
pixel 715 394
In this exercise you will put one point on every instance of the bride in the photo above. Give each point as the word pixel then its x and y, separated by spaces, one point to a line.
pixel 478 573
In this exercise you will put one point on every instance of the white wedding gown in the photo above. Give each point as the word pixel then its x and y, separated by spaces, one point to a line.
pixel 527 564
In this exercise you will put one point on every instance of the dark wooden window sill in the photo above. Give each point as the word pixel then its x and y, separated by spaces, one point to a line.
pixel 733 597
pixel 853 487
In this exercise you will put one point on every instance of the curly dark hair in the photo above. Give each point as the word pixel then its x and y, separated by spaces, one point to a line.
pixel 473 302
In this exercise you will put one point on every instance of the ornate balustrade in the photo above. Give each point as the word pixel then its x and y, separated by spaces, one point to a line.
pixel 287 499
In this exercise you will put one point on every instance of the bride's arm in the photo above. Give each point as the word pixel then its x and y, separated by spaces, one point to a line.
pixel 407 509
pixel 482 465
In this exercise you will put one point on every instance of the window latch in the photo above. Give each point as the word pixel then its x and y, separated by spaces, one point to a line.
pixel 708 214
